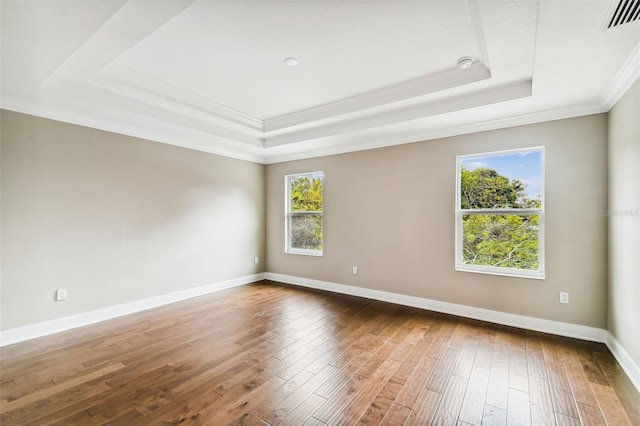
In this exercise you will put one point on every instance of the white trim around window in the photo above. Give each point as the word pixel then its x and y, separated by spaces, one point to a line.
pixel 463 265
pixel 291 214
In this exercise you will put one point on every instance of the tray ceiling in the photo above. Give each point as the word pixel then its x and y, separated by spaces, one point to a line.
pixel 212 75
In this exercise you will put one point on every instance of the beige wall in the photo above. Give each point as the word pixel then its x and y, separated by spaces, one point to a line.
pixel 116 219
pixel 390 212
pixel 624 222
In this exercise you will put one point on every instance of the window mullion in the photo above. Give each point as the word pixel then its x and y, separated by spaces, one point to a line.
pixel 500 211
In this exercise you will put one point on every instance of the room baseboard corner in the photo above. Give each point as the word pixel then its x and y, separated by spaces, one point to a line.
pixel 33 331
pixel 520 321
pixel 46 328
pixel 624 359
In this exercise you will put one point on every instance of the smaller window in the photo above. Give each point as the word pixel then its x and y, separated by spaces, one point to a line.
pixel 304 200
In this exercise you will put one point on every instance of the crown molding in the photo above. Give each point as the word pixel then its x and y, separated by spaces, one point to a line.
pixel 230 124
pixel 626 76
pixel 506 92
pixel 180 136
pixel 425 134
pixel 264 156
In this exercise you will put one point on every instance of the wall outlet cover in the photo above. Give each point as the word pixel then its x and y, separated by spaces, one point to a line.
pixel 564 297
pixel 61 294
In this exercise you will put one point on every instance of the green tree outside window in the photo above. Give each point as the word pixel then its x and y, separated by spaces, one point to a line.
pixel 499 221
pixel 304 216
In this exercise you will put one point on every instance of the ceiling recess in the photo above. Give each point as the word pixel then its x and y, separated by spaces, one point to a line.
pixel 624 11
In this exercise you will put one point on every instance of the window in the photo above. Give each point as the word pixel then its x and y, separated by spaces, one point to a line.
pixel 500 213
pixel 304 213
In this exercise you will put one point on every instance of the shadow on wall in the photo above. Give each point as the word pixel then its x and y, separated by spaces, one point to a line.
pixel 115 219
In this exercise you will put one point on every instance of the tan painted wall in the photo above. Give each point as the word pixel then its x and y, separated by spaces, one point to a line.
pixel 116 219
pixel 624 222
pixel 390 212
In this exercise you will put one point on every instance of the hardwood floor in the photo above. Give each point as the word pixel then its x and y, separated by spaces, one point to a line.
pixel 279 355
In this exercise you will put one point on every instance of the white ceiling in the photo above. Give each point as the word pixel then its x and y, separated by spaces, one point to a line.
pixel 210 75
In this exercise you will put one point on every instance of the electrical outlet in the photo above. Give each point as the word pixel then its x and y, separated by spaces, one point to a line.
pixel 61 294
pixel 255 260
pixel 354 271
pixel 564 297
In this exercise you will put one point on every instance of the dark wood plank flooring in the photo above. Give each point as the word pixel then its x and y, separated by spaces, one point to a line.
pixel 271 354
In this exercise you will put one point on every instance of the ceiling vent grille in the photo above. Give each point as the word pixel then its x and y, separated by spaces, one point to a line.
pixel 624 11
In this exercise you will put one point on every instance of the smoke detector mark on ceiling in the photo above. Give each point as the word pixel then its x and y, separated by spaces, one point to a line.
pixel 465 62
pixel 622 12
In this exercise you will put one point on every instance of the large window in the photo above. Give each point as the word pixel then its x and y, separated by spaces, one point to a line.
pixel 500 213
pixel 304 213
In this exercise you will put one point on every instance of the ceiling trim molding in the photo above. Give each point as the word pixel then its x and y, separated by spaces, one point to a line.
pixel 94 63
pixel 431 134
pixel 216 126
pixel 122 80
pixel 397 92
pixel 169 93
pixel 183 140
pixel 507 92
pixel 480 70
pixel 478 30
pixel 198 121
pixel 263 156
pixel 102 48
pixel 625 77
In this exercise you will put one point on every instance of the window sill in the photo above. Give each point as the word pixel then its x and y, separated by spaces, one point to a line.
pixel 514 273
pixel 303 252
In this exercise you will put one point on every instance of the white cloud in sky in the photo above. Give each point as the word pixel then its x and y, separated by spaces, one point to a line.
pixel 472 165
pixel 532 187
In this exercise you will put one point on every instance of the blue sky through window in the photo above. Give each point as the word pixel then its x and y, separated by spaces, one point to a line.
pixel 525 166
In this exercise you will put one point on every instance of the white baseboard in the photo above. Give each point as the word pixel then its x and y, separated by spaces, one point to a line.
pixel 530 323
pixel 632 370
pixel 28 332
pixel 624 359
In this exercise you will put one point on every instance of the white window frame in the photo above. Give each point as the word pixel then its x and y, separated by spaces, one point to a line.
pixel 482 269
pixel 287 190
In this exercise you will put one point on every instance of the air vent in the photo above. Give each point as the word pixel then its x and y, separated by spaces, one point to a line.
pixel 623 12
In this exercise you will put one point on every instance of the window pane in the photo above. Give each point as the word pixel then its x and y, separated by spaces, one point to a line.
pixel 305 231
pixel 304 213
pixel 306 193
pixel 504 241
pixel 494 181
